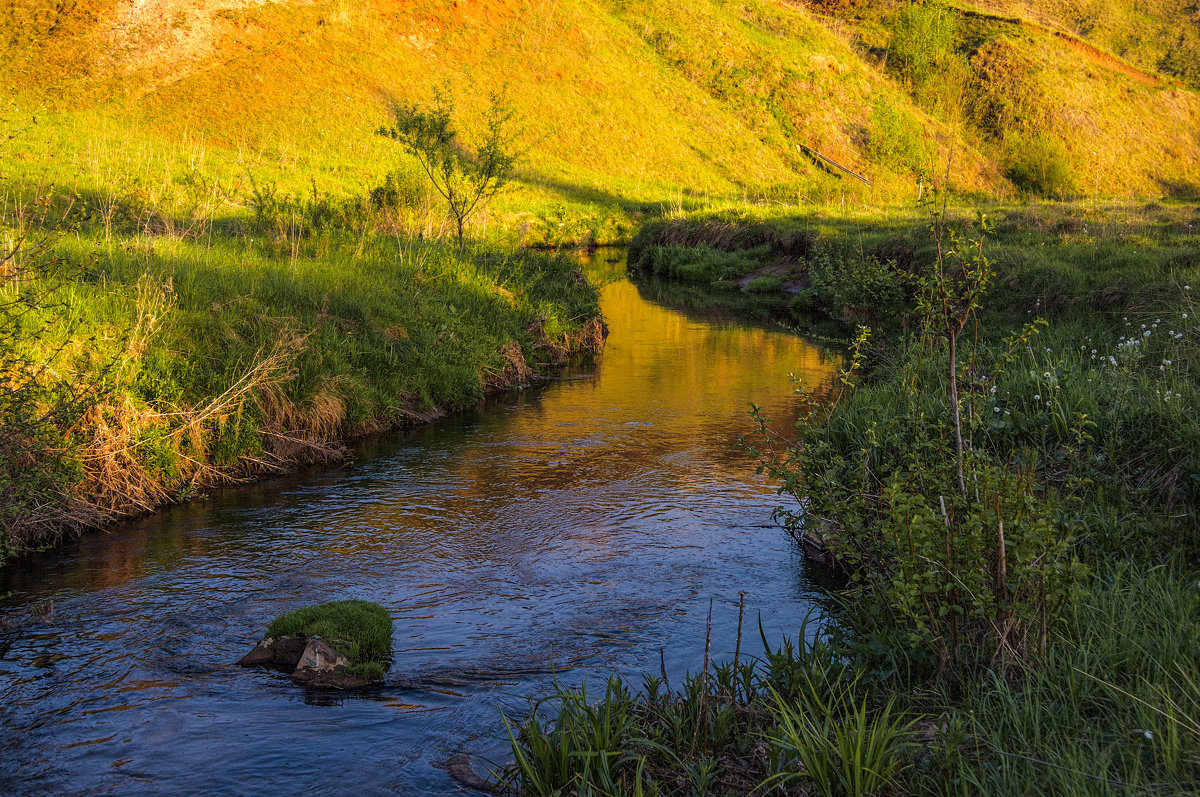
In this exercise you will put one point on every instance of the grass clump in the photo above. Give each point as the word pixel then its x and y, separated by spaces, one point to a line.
pixel 792 719
pixel 359 630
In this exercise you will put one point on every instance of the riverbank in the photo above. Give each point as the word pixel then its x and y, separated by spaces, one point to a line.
pixel 156 349
pixel 1015 513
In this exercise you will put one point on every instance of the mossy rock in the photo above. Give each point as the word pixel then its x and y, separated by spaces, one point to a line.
pixel 358 630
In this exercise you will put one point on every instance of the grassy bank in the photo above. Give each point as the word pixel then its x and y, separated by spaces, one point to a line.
pixel 158 344
pixel 1007 479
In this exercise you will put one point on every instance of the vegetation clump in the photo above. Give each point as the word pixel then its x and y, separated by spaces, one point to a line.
pixel 359 630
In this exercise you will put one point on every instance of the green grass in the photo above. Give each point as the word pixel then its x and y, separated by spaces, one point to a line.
pixel 1077 388
pixel 1113 708
pixel 359 630
pixel 222 344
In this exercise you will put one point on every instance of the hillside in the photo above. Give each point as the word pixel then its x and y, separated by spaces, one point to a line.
pixel 624 101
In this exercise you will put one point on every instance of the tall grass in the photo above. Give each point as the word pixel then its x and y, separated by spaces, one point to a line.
pixel 229 342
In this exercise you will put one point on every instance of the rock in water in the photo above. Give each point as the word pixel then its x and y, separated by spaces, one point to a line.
pixel 284 651
pixel 318 658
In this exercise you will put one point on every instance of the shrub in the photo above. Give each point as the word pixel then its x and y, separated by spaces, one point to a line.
pixel 849 284
pixel 922 42
pixel 466 179
pixel 400 189
pixel 1038 164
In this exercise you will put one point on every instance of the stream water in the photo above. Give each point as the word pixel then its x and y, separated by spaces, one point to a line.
pixel 567 532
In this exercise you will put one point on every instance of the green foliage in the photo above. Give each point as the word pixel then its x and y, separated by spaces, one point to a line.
pixel 701 263
pixel 467 180
pixel 764 283
pixel 853 286
pixel 1038 164
pixel 922 42
pixel 841 748
pixel 708 738
pixel 952 535
pixel 40 400
pixel 359 630
pixel 400 189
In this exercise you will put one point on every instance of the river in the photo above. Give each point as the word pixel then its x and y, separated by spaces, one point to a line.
pixel 572 530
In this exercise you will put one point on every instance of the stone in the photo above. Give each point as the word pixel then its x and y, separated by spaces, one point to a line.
pixel 459 767
pixel 284 651
pixel 318 658
pixel 311 662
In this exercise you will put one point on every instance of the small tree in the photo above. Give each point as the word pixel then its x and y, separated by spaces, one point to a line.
pixel 466 179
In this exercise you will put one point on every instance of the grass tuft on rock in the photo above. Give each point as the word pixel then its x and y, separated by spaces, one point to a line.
pixel 359 630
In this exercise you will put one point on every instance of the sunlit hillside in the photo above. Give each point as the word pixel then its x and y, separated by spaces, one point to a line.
pixel 637 100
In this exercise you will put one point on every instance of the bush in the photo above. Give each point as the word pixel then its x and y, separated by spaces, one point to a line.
pixel 1038 165
pixel 466 179
pixel 401 189
pixel 922 42
pixel 853 286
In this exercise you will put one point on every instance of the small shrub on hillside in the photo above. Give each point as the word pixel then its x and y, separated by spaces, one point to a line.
pixel 286 219
pixel 1038 164
pixel 466 179
pixel 922 42
pixel 400 189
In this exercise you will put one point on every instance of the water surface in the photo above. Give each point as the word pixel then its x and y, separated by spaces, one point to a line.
pixel 560 534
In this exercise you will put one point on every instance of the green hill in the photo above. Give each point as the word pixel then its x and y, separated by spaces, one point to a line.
pixel 631 100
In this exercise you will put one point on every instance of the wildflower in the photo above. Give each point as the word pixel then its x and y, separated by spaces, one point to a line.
pixel 995 409
pixel 1148 734
pixel 1146 334
pixel 1185 315
pixel 1036 397
pixel 1093 351
pixel 1166 362
pixel 1047 403
pixel 1112 359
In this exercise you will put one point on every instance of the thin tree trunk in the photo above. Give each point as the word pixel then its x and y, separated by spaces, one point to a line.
pixel 958 439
